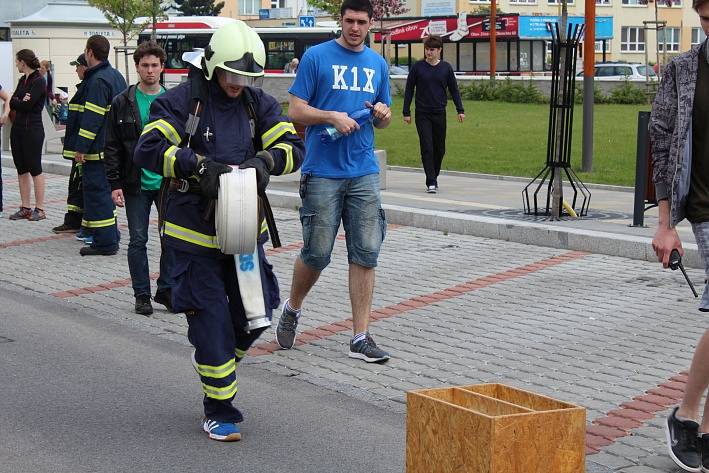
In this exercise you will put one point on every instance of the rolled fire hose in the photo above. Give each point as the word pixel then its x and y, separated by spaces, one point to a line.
pixel 237 225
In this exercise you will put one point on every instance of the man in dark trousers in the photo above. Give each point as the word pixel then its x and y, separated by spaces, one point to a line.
pixel 431 77
pixel 101 84
pixel 133 187
pixel 75 195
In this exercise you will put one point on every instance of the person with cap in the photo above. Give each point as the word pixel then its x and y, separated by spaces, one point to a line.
pixel 101 84
pixel 75 196
pixel 197 131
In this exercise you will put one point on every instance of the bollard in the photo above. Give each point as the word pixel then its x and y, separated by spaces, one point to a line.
pixel 643 163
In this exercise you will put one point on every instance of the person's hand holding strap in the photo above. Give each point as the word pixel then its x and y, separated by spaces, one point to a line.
pixel 263 163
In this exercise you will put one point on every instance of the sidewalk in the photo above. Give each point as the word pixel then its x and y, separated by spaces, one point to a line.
pixel 491 207
pixel 609 333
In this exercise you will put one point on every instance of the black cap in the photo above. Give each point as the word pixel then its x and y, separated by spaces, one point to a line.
pixel 80 61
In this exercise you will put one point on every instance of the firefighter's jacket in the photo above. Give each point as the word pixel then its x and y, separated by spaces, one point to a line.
pixel 88 109
pixel 223 134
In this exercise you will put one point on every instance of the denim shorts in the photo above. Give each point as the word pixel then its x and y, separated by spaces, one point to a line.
pixel 701 233
pixel 356 203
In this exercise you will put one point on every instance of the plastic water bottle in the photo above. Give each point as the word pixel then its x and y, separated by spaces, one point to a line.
pixel 330 133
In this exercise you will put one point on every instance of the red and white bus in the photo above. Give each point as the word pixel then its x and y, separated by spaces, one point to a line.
pixel 186 33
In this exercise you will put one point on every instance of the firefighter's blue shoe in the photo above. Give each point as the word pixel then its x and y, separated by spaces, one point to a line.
pixel 222 431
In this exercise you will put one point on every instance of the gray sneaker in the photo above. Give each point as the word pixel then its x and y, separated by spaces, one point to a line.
pixel 285 330
pixel 368 351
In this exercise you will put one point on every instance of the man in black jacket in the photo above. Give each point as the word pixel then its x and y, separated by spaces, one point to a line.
pixel 131 186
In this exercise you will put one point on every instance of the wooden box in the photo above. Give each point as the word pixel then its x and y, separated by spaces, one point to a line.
pixel 492 428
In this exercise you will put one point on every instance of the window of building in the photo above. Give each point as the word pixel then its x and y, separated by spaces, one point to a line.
pixel 638 3
pixel 698 36
pixel 632 39
pixel 523 2
pixel 486 2
pixel 669 36
pixel 278 3
pixel 603 3
pixel 249 7
pixel 558 2
pixel 675 3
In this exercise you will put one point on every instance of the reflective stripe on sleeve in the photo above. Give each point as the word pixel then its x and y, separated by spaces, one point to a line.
pixel 169 160
pixel 288 149
pixel 95 108
pixel 190 236
pixel 87 134
pixel 75 107
pixel 164 127
pixel 278 130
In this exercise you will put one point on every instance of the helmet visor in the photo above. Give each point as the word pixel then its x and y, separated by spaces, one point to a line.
pixel 241 80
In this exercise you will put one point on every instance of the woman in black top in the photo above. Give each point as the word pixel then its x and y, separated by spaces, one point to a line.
pixel 27 135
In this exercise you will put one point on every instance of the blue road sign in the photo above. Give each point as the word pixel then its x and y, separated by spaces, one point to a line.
pixel 306 21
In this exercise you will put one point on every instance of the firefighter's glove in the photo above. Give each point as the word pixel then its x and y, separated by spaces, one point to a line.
pixel 208 172
pixel 262 162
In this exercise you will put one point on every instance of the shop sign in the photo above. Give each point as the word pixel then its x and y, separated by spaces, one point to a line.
pixel 106 33
pixel 23 33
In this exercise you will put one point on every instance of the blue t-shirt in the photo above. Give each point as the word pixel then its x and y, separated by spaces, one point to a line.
pixel 332 77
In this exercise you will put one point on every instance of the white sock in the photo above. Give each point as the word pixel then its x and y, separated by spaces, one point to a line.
pixel 359 337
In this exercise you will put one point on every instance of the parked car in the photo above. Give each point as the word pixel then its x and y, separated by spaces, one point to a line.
pixel 621 71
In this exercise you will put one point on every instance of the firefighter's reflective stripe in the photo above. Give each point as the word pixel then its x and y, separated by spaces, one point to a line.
pixel 217 372
pixel 164 127
pixel 264 226
pixel 89 157
pixel 96 109
pixel 87 134
pixel 191 236
pixel 214 392
pixel 74 208
pixel 98 223
pixel 278 130
pixel 288 150
pixel 239 353
pixel 75 107
pixel 169 160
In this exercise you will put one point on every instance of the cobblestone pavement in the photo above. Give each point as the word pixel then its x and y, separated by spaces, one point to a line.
pixel 608 333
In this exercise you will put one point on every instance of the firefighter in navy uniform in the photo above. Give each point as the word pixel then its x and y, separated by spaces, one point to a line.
pixel 215 119
pixel 84 143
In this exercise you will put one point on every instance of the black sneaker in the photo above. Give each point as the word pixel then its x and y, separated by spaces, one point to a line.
pixel 143 305
pixel 704 451
pixel 92 251
pixel 683 442
pixel 164 297
pixel 64 228
pixel 368 351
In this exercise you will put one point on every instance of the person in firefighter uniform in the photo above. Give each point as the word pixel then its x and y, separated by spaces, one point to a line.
pixel 217 118
pixel 84 142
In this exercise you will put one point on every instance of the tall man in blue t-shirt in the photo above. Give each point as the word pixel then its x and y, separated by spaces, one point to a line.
pixel 431 77
pixel 340 180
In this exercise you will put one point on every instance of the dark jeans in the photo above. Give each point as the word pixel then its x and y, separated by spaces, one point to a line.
pixel 431 128
pixel 138 216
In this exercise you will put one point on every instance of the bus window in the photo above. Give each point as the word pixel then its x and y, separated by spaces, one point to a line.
pixel 279 53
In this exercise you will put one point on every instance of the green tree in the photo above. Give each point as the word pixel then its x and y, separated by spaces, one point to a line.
pixel 199 7
pixel 130 17
pixel 331 7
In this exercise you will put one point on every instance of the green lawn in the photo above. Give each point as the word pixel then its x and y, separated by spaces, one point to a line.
pixel 511 139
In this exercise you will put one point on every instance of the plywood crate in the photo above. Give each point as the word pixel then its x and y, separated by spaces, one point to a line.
pixel 492 428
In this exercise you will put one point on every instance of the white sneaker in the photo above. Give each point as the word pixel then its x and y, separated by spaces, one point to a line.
pixel 431 189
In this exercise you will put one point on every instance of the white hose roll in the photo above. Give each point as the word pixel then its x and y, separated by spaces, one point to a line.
pixel 236 213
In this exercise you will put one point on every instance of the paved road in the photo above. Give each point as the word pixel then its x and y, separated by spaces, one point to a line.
pixel 611 334
pixel 81 394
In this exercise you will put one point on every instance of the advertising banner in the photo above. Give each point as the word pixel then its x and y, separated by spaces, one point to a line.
pixel 453 29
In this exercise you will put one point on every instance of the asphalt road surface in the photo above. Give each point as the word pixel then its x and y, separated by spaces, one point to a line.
pixel 81 394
